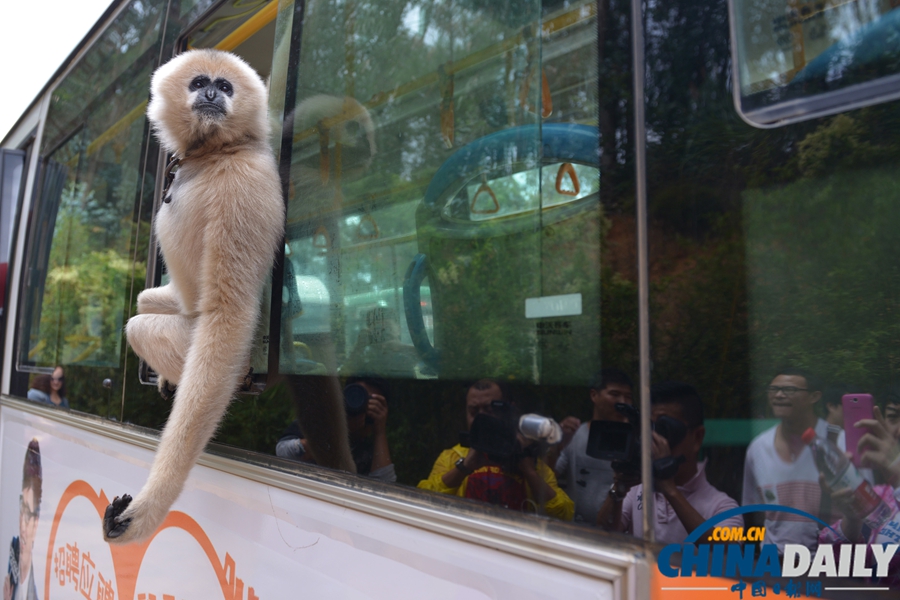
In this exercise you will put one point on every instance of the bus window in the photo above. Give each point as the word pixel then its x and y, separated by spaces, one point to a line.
pixel 446 211
pixel 12 178
pixel 798 60
pixel 84 230
pixel 427 196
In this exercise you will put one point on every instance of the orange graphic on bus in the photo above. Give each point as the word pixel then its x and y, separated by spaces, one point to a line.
pixel 127 559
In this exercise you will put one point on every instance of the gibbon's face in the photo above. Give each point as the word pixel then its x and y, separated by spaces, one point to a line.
pixel 206 97
pixel 211 99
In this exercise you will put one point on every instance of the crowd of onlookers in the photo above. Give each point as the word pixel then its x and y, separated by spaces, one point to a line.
pixel 563 480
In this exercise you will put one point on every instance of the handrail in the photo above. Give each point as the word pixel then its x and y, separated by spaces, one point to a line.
pixel 251 26
pixel 234 39
pixel 548 28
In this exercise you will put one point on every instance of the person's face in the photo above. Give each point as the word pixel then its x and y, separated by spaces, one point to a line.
pixel 605 400
pixel 690 445
pixel 479 401
pixel 789 397
pixel 892 418
pixel 56 380
pixel 835 414
pixel 28 521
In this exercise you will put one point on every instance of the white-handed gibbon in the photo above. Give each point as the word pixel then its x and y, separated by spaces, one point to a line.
pixel 219 227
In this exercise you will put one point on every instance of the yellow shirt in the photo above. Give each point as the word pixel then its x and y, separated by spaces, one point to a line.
pixel 561 506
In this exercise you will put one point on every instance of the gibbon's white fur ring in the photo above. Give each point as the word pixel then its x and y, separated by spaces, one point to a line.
pixel 218 235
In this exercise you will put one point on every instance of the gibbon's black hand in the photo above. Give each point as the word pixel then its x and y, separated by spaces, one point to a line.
pixel 112 526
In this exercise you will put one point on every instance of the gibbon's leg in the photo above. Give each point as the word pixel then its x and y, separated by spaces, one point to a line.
pixel 162 340
pixel 319 403
pixel 214 362
pixel 161 300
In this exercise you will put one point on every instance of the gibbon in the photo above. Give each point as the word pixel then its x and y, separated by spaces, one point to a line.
pixel 219 227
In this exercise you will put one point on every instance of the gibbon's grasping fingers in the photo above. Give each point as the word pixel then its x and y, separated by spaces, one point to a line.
pixel 218 232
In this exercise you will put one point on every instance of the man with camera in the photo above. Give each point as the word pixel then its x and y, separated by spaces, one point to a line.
pixel 584 478
pixel 365 403
pixel 684 498
pixel 497 465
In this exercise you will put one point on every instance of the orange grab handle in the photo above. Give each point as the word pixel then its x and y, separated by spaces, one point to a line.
pixel 484 188
pixel 321 232
pixel 546 97
pixel 374 235
pixel 564 169
pixel 324 159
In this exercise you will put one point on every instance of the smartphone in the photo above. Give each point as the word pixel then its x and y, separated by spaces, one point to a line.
pixel 856 408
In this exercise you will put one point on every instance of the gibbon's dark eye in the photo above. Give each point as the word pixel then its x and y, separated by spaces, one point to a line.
pixel 224 86
pixel 199 82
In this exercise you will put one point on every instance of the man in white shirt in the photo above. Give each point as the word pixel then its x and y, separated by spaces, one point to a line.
pixel 683 497
pixel 779 467
pixel 586 480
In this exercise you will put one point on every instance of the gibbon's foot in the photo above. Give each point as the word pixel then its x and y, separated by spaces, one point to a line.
pixel 113 526
pixel 246 382
pixel 166 390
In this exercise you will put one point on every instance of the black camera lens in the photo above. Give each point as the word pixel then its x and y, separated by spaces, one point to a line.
pixel 356 399
pixel 671 429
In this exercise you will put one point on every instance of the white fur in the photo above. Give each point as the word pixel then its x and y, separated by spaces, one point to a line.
pixel 218 237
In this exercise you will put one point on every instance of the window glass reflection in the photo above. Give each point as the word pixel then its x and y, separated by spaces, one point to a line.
pixel 426 202
pixel 790 51
pixel 445 222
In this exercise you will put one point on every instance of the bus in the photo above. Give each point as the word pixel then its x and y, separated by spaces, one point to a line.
pixel 512 195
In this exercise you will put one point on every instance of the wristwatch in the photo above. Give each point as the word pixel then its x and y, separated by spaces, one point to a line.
pixel 462 468
pixel 615 494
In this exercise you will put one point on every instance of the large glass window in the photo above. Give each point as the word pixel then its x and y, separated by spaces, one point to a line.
pixel 428 203
pixel 459 209
pixel 84 231
pixel 799 59
pixel 772 252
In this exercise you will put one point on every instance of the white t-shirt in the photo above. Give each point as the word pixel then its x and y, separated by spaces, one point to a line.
pixel 25 585
pixel 585 480
pixel 768 479
pixel 700 494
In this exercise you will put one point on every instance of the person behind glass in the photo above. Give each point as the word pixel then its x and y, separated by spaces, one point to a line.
pixel 585 479
pixel 50 389
pixel 684 498
pixel 878 449
pixel 527 484
pixel 780 469
pixel 834 407
pixel 19 583
pixel 366 406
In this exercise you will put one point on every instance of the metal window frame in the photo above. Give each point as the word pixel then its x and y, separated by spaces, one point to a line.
pixel 877 91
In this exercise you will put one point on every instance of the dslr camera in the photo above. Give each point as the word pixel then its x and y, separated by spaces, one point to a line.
pixel 496 434
pixel 620 442
pixel 356 401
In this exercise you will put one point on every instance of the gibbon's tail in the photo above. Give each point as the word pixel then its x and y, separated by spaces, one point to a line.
pixel 215 361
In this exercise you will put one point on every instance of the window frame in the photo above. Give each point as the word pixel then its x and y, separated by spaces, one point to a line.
pixel 877 91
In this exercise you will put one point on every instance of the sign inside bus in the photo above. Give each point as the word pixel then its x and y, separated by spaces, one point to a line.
pixel 73 568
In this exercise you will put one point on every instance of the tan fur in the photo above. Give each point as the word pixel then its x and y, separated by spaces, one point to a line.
pixel 218 237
